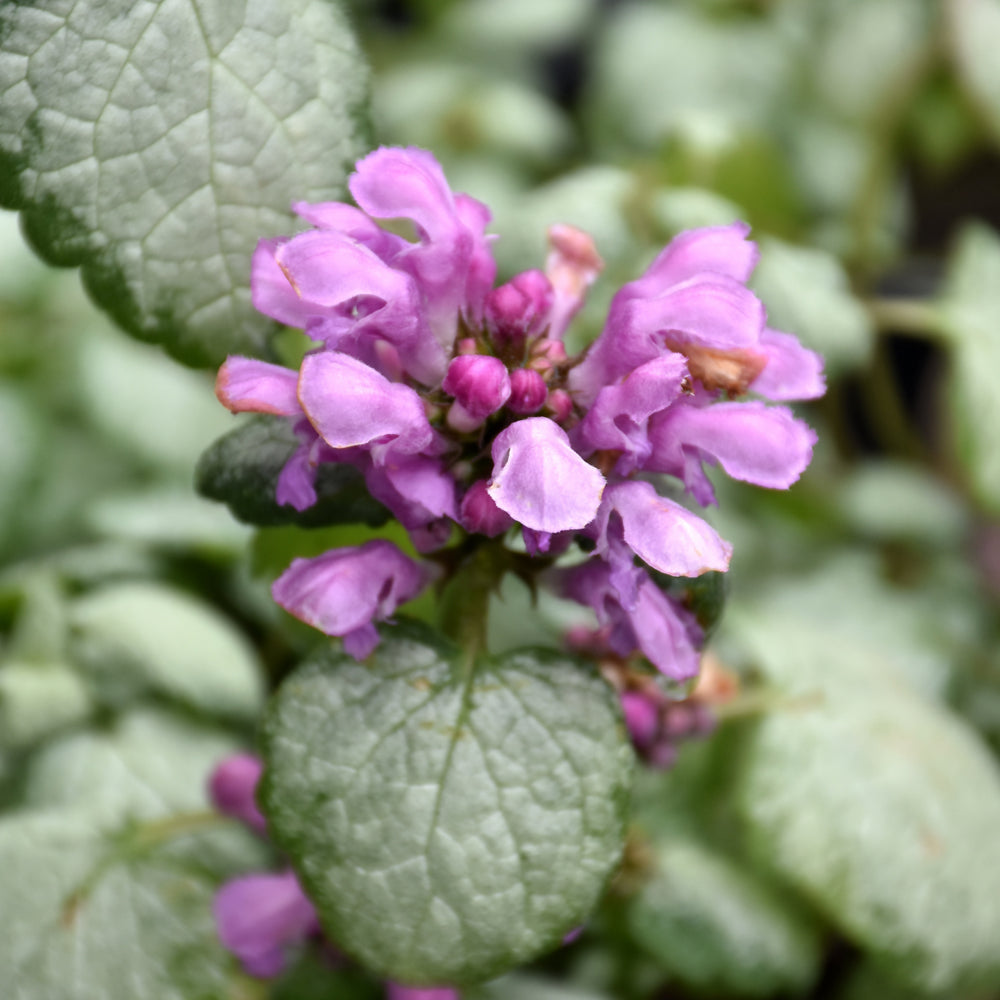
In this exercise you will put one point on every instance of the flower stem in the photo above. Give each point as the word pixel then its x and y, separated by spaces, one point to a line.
pixel 464 606
pixel 917 316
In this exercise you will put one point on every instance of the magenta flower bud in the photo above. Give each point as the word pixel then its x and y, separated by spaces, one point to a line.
pixel 480 515
pixel 527 391
pixel 232 786
pixel 560 405
pixel 520 308
pixel 547 354
pixel 642 717
pixel 479 383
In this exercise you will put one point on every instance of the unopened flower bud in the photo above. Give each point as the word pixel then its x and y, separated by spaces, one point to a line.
pixel 572 266
pixel 467 345
pixel 480 515
pixel 642 717
pixel 232 786
pixel 527 391
pixel 479 383
pixel 546 354
pixel 519 309
pixel 560 404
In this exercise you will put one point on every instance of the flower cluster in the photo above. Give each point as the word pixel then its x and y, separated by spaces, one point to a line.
pixel 457 402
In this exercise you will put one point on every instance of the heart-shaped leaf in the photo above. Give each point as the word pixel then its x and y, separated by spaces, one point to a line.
pixel 154 143
pixel 449 819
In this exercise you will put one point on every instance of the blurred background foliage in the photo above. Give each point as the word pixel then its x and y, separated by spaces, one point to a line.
pixel 837 836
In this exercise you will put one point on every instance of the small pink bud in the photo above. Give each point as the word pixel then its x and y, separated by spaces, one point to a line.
pixel 560 404
pixel 467 345
pixel 642 717
pixel 527 391
pixel 572 266
pixel 479 383
pixel 519 309
pixel 232 787
pixel 546 354
pixel 480 515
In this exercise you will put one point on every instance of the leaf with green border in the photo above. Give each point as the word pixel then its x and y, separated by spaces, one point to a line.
pixel 865 793
pixel 970 316
pixel 973 27
pixel 720 929
pixel 91 913
pixel 450 820
pixel 154 143
pixel 140 635
pixel 241 470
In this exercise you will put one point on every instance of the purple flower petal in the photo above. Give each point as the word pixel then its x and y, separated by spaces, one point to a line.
pixel 540 481
pixel 361 297
pixel 352 405
pixel 246 385
pixel 714 249
pixel 756 443
pixel 270 290
pixel 792 371
pixel 712 311
pixel 345 590
pixel 232 788
pixel 620 414
pixel 350 222
pixel 667 634
pixel 452 262
pixel 259 917
pixel 662 533
pixel 478 513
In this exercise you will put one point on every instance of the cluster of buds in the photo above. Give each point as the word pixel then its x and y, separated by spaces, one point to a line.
pixel 457 402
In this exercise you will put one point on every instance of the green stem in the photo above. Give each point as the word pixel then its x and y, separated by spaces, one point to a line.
pixel 763 702
pixel 464 607
pixel 918 316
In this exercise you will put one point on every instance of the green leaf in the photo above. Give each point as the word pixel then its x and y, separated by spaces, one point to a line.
pixel 520 986
pixel 39 699
pixel 868 55
pixel 875 801
pixel 664 70
pixel 807 293
pixel 970 313
pixel 974 26
pixel 155 143
pixel 147 765
pixel 719 929
pixel 141 634
pixel 241 470
pixel 449 820
pixel 84 916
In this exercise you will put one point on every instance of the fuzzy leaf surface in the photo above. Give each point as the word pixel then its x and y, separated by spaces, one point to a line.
pixel 450 821
pixel 153 143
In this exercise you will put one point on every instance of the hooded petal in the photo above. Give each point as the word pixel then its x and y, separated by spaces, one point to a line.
pixel 360 296
pixel 352 405
pixel 258 917
pixel 344 590
pixel 713 249
pixel 452 261
pixel 792 371
pixel 620 414
pixel 246 385
pixel 350 222
pixel 270 290
pixel 713 311
pixel 756 443
pixel 540 481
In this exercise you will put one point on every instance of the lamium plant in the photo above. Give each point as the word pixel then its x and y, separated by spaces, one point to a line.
pixel 447 814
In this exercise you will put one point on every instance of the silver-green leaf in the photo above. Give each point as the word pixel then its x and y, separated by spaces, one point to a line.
pixel 449 820
pixel 154 143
